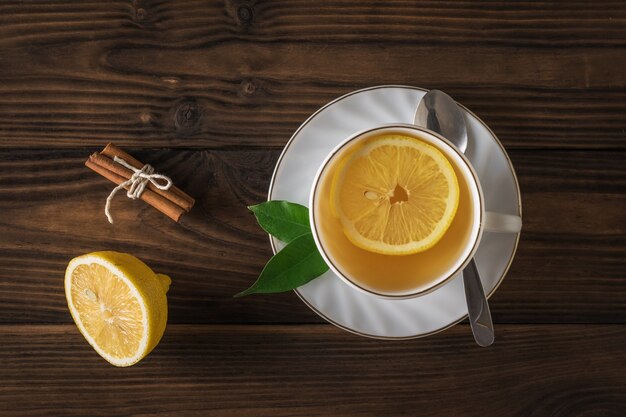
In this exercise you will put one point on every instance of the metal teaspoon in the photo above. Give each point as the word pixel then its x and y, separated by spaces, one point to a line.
pixel 439 112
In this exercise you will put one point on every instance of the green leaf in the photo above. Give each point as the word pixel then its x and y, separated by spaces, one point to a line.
pixel 298 263
pixel 282 219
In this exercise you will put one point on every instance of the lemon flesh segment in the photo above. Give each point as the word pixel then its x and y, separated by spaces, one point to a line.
pixel 118 304
pixel 108 310
pixel 397 195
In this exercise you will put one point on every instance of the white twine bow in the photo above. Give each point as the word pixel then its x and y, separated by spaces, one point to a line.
pixel 136 183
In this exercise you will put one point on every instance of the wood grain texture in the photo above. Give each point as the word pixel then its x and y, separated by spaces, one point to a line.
pixel 569 267
pixel 200 370
pixel 199 22
pixel 209 74
pixel 209 91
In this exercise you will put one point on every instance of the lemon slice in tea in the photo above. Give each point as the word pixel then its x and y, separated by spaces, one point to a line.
pixel 396 195
pixel 118 304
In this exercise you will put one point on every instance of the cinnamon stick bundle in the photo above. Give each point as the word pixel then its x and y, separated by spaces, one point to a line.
pixel 172 202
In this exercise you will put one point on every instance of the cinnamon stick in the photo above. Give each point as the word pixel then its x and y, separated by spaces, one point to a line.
pixel 165 206
pixel 174 194
pixel 121 170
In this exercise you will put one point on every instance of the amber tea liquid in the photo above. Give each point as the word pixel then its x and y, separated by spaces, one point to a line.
pixel 390 274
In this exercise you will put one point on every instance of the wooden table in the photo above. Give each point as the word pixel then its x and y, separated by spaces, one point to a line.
pixel 209 92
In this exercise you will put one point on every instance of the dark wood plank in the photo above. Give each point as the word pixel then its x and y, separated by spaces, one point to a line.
pixel 218 74
pixel 318 370
pixel 569 267
pixel 573 239
pixel 196 23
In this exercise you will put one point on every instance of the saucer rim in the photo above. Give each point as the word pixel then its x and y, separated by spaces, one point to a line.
pixel 519 209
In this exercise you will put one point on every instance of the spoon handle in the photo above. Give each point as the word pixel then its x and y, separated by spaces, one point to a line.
pixel 477 306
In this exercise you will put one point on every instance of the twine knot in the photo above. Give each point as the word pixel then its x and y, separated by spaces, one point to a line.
pixel 137 183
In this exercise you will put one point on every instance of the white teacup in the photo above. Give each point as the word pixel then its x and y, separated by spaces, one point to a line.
pixel 481 220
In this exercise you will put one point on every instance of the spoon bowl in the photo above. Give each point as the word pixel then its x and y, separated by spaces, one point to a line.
pixel 439 112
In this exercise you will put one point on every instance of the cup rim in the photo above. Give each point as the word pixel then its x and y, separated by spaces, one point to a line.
pixel 440 283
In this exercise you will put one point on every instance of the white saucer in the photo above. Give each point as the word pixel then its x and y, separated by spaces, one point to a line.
pixel 365 314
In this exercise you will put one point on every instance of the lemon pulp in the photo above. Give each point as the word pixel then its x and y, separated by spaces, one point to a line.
pixel 395 195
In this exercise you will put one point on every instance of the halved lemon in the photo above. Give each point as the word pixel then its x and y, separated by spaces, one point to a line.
pixel 118 304
pixel 396 195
